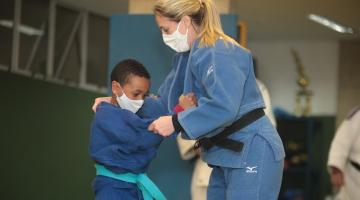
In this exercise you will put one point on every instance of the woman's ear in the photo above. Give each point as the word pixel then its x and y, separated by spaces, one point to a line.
pixel 187 21
pixel 115 88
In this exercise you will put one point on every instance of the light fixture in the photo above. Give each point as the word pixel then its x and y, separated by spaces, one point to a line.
pixel 330 24
pixel 22 28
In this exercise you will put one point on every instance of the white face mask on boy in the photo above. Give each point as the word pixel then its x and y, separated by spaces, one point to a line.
pixel 129 104
pixel 177 41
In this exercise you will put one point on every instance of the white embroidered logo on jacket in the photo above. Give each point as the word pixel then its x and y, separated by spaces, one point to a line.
pixel 251 169
pixel 210 70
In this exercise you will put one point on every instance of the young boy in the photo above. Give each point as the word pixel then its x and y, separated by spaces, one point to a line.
pixel 120 143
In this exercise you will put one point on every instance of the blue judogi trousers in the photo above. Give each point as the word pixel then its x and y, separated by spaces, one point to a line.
pixel 110 189
pixel 259 180
pixel 148 189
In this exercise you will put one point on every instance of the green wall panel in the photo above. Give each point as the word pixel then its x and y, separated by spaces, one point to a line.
pixel 44 140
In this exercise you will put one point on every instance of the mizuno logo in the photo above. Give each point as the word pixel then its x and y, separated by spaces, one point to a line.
pixel 251 169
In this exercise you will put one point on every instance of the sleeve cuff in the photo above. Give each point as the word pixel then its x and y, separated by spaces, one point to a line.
pixel 177 126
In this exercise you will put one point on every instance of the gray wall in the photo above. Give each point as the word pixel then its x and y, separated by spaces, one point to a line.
pixel 349 78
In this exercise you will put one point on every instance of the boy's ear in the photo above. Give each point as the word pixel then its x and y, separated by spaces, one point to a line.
pixel 115 88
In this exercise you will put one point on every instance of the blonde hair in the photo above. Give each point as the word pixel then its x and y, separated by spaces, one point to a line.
pixel 202 12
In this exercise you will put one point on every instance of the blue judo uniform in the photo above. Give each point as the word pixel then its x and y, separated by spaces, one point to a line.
pixel 222 78
pixel 120 143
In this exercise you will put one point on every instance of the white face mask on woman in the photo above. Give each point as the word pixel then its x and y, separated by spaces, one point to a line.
pixel 177 41
pixel 129 104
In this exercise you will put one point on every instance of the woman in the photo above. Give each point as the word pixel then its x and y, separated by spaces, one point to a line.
pixel 235 137
pixel 248 163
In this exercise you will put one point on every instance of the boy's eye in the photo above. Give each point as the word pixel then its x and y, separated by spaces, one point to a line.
pixel 166 30
pixel 137 95
pixel 140 95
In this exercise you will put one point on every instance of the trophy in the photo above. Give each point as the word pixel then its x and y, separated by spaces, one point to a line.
pixel 303 94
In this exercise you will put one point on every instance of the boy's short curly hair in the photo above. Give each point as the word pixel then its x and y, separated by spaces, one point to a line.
pixel 125 68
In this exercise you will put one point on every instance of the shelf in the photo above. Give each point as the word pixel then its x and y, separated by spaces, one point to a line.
pixel 296 170
pixel 296 134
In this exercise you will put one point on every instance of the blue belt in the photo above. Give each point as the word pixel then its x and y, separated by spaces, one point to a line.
pixel 149 190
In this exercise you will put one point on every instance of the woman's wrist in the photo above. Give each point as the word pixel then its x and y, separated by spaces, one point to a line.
pixel 177 126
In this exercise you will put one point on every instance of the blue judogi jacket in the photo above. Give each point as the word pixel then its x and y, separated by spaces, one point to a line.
pixel 120 140
pixel 223 80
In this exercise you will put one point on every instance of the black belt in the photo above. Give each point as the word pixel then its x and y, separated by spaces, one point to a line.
pixel 221 139
pixel 355 164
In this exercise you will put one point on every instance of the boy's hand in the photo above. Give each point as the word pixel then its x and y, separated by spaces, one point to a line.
pixel 99 100
pixel 187 101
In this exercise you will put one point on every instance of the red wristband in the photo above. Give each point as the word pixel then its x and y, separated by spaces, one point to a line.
pixel 178 109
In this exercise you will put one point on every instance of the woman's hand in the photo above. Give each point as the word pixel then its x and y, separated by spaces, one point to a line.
pixel 163 126
pixel 187 101
pixel 99 100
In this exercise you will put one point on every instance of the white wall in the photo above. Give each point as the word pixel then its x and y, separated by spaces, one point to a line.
pixel 277 70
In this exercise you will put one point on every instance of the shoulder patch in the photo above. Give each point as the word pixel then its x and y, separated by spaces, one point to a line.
pixel 353 112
